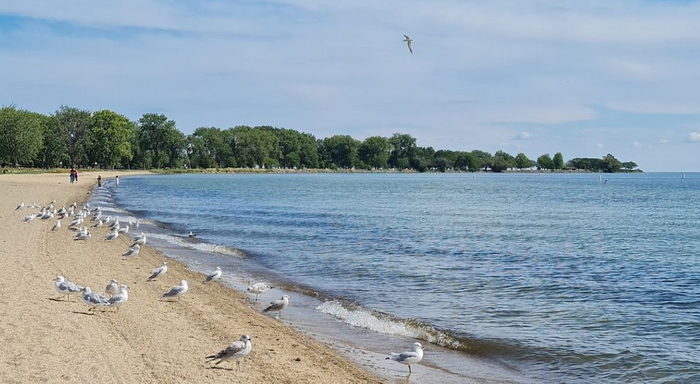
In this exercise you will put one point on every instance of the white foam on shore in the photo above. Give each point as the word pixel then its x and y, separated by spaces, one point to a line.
pixel 199 246
pixel 363 318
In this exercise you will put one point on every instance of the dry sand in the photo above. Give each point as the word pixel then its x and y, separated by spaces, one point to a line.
pixel 147 340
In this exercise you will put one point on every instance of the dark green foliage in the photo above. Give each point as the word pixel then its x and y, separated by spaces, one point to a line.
pixel 74 137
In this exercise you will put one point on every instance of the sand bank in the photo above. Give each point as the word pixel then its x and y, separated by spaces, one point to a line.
pixel 147 340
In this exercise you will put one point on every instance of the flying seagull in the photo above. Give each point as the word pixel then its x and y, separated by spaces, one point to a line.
pixel 408 41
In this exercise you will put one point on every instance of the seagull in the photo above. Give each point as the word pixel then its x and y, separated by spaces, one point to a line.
pixel 112 235
pixel 258 288
pixel 158 271
pixel 120 298
pixel 408 358
pixel 112 288
pixel 139 240
pixel 214 276
pixel 29 218
pixel 56 226
pixel 236 350
pixel 20 206
pixel 133 251
pixel 82 235
pixel 191 234
pixel 93 299
pixel 409 42
pixel 124 230
pixel 278 305
pixel 65 287
pixel 176 291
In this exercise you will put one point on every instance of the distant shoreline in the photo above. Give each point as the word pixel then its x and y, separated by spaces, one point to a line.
pixel 288 170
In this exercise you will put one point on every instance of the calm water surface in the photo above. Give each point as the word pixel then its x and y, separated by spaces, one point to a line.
pixel 560 277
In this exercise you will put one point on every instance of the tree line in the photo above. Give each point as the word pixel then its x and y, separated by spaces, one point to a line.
pixel 106 139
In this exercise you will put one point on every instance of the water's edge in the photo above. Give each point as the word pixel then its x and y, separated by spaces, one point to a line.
pixel 362 335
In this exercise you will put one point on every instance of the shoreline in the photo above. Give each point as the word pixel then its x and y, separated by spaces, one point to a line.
pixel 146 340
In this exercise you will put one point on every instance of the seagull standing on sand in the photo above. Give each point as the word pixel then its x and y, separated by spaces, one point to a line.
pixel 120 298
pixel 140 239
pixel 56 226
pixel 158 271
pixel 133 251
pixel 124 230
pixel 408 358
pixel 65 287
pixel 236 350
pixel 214 276
pixel 176 291
pixel 20 206
pixel 93 299
pixel 29 218
pixel 112 235
pixel 278 305
pixel 409 42
pixel 258 288
pixel 112 288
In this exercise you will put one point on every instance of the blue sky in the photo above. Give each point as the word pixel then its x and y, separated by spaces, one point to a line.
pixel 583 77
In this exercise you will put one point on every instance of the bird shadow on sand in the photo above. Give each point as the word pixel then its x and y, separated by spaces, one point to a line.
pixel 83 313
pixel 221 368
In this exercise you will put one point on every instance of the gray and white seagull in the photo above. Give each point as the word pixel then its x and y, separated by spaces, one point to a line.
pixel 278 305
pixel 408 358
pixel 176 291
pixel 409 42
pixel 236 350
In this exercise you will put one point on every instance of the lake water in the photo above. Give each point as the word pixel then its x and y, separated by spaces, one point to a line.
pixel 549 278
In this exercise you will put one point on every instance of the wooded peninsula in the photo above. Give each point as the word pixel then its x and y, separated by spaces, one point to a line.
pixel 72 137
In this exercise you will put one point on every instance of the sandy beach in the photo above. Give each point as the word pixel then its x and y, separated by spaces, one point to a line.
pixel 47 339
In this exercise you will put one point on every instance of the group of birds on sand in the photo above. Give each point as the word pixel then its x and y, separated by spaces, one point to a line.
pixel 118 294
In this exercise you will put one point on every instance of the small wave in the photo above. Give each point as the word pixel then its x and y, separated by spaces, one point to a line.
pixel 199 246
pixel 379 322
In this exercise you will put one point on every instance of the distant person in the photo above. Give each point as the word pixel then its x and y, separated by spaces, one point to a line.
pixel 99 180
pixel 73 175
pixel 76 175
pixel 117 180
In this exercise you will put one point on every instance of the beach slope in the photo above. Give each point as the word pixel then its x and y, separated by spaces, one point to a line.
pixel 48 339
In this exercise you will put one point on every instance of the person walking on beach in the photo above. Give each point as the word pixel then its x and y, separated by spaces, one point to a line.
pixel 73 175
pixel 99 180
pixel 117 180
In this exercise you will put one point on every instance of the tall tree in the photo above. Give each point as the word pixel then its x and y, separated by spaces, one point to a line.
pixel 160 143
pixel 558 161
pixel 374 152
pixel 502 161
pixel 109 138
pixel 21 136
pixel 340 151
pixel 403 150
pixel 522 161
pixel 545 162
pixel 72 124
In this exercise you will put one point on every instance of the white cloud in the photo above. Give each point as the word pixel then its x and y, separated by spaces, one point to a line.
pixel 524 135
pixel 694 137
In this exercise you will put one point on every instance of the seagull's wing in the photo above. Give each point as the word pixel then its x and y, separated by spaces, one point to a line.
pixel 410 47
pixel 174 291
pixel 407 38
pixel 275 306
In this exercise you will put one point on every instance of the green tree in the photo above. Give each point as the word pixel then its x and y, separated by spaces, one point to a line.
pixel 403 150
pixel 545 162
pixel 502 161
pixel 340 151
pixel 109 138
pixel 629 165
pixel 21 136
pixel 558 161
pixel 522 161
pixel 160 143
pixel 211 143
pixel 256 147
pixel 71 124
pixel 611 164
pixel 481 160
pixel 374 152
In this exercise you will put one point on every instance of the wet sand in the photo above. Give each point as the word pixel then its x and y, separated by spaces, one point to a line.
pixel 47 339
